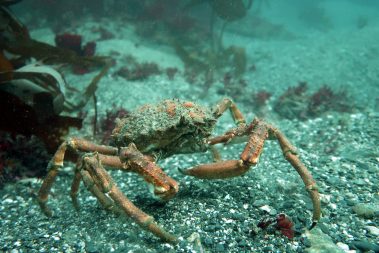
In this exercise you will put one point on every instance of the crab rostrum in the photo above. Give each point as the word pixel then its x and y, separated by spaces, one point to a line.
pixel 158 131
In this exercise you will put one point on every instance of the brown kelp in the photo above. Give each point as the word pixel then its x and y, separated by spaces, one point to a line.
pixel 33 89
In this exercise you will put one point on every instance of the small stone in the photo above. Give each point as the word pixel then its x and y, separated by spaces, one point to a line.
pixel 365 246
pixel 343 246
pixel 259 202
pixel 333 180
pixel 373 230
pixel 323 228
pixel 242 244
pixel 267 249
pixel 208 241
pixel 220 247
pixel 321 243
pixel 306 242
pixel 7 201
pixel 210 228
pixel 351 202
pixel 360 182
pixel 254 230
pixel 367 211
pixel 183 243
pixel 91 248
pixel 350 195
pixel 265 208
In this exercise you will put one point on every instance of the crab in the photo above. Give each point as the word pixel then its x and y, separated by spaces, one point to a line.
pixel 154 132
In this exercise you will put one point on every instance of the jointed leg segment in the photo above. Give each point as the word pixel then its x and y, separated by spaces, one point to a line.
pixel 100 184
pixel 57 162
pixel 289 152
pixel 258 131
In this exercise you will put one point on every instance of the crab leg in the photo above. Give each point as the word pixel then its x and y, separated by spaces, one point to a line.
pixel 233 168
pixel 163 186
pixel 258 132
pixel 102 181
pixel 215 154
pixel 75 189
pixel 57 162
pixel 238 118
pixel 106 202
pixel 289 152
pixel 218 170
pixel 225 104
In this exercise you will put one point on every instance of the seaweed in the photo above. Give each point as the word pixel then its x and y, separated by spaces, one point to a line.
pixel 138 71
pixel 281 223
pixel 21 157
pixel 228 10
pixel 108 123
pixel 39 120
pixel 33 96
pixel 208 63
pixel 295 102
pixel 260 98
pixel 171 72
pixel 15 39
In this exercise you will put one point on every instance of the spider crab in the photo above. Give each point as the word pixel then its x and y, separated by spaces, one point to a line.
pixel 158 131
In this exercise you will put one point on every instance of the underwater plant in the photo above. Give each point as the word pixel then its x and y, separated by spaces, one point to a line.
pixel 138 71
pixel 261 97
pixel 210 60
pixel 325 99
pixel 227 10
pixel 15 40
pixel 21 157
pixel 74 42
pixel 295 102
pixel 171 72
pixel 209 64
pixel 108 123
pixel 33 96
pixel 39 119
pixel 281 223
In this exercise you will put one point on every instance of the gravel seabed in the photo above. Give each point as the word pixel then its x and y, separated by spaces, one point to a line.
pixel 341 150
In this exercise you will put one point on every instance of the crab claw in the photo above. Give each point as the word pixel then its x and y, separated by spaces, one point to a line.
pixel 162 186
pixel 166 191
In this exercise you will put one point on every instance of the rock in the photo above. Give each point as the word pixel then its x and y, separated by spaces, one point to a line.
pixel 208 241
pixel 91 248
pixel 259 202
pixel 367 211
pixel 321 243
pixel 343 246
pixel 373 230
pixel 360 182
pixel 365 246
pixel 306 242
pixel 195 240
pixel 242 244
pixel 254 230
pixel 268 209
pixel 324 228
pixel 220 247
